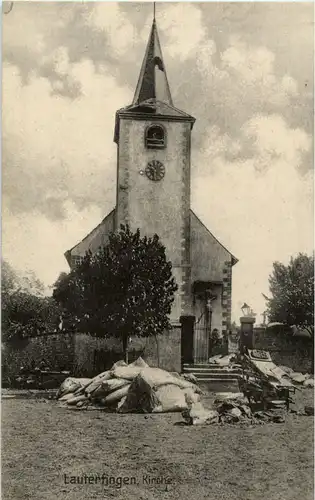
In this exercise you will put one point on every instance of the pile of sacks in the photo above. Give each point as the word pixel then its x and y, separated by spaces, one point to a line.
pixel 230 409
pixel 131 388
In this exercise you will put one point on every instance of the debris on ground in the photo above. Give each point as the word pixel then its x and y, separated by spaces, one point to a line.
pixel 38 377
pixel 231 410
pixel 279 373
pixel 136 387
pixel 309 410
pixel 139 388
pixel 308 382
pixel 222 360
pixel 198 415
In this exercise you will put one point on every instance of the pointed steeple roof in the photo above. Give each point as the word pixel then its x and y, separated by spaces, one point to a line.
pixel 152 98
pixel 153 83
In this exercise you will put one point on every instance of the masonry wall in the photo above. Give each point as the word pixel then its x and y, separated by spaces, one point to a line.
pixel 208 256
pixel 57 350
pixel 97 238
pixel 227 296
pixel 84 355
pixel 294 352
pixel 169 346
pixel 211 262
pixel 93 355
pixel 158 207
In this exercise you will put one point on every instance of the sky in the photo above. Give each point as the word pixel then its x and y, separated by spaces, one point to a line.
pixel 243 70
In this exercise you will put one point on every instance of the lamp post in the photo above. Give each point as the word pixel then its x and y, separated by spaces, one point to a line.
pixel 247 328
pixel 245 309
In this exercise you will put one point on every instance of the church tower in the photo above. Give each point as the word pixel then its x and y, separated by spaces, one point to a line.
pixel 153 140
pixel 153 167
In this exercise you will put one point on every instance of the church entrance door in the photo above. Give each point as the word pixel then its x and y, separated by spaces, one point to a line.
pixel 202 340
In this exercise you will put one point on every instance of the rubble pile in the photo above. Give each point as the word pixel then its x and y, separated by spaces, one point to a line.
pixel 231 409
pixel 232 361
pixel 131 388
pixel 226 361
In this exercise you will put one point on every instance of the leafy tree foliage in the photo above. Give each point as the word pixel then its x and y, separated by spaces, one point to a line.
pixel 292 289
pixel 125 289
pixel 25 311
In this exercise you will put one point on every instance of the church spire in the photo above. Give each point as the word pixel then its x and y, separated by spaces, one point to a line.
pixel 153 83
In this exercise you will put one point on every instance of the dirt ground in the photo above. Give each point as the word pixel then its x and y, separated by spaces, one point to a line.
pixel 43 445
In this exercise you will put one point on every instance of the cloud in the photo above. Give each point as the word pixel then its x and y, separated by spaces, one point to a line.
pixel 120 32
pixel 241 83
pixel 34 242
pixel 261 208
pixel 183 29
pixel 56 150
pixel 273 139
pixel 254 68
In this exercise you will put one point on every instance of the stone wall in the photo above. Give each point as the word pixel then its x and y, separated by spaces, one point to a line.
pixel 227 296
pixel 158 207
pixel 169 347
pixel 209 259
pixel 93 355
pixel 57 351
pixel 287 350
pixel 84 355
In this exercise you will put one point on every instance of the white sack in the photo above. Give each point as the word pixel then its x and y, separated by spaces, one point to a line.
pixel 298 377
pixel 129 372
pixel 109 386
pixel 141 398
pixel 76 399
pixel 308 382
pixel 70 385
pixel 171 398
pixel 197 415
pixel 96 381
pixel 66 397
pixel 156 377
pixel 116 396
pixel 191 396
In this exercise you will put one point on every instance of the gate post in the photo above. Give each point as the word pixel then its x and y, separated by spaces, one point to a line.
pixel 187 339
pixel 247 332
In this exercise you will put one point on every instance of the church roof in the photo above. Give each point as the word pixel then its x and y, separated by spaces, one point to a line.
pixel 152 97
pixel 197 223
pixel 153 83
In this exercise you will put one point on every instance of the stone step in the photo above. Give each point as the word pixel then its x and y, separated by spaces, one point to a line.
pixel 196 367
pixel 212 370
pixel 201 365
pixel 215 379
pixel 219 385
pixel 223 376
pixel 214 373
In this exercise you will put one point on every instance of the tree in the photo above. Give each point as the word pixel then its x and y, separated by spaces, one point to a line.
pixel 292 289
pixel 125 289
pixel 25 311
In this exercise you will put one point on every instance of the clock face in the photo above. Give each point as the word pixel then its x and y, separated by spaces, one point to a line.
pixel 155 170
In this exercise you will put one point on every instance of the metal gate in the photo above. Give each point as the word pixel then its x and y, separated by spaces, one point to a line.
pixel 202 330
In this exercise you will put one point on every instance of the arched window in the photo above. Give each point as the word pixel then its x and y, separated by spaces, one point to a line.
pixel 155 137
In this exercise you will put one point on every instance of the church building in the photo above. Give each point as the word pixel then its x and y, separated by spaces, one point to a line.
pixel 153 194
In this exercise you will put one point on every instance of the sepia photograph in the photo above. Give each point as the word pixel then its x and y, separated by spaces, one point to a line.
pixel 157 272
